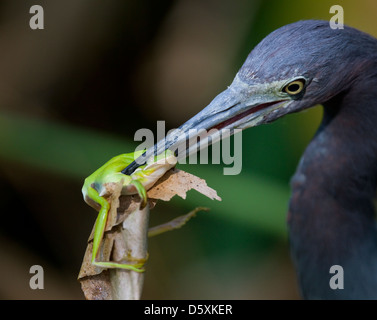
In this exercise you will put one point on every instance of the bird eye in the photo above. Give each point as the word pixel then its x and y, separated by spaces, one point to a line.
pixel 295 87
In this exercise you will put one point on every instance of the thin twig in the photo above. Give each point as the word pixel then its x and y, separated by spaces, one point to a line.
pixel 175 223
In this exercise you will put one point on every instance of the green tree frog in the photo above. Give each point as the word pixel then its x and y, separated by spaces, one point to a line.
pixel 94 192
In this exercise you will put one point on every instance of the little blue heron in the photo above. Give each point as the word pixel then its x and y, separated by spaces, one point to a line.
pixel 331 216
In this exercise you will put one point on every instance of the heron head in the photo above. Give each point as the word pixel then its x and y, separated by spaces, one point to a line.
pixel 295 67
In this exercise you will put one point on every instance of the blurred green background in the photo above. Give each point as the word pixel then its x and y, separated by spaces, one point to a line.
pixel 73 95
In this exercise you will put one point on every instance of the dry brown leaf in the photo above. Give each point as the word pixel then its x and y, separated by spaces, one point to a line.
pixel 98 287
pixel 178 182
pixel 87 268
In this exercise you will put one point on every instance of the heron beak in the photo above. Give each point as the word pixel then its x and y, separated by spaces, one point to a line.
pixel 239 107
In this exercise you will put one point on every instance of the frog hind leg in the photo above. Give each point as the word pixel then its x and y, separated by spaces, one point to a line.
pixel 141 191
pixel 99 230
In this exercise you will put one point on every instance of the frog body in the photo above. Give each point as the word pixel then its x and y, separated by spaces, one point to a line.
pixel 95 192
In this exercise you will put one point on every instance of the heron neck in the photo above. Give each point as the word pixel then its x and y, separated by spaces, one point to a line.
pixel 331 213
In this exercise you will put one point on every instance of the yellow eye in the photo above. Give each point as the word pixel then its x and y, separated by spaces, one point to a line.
pixel 294 87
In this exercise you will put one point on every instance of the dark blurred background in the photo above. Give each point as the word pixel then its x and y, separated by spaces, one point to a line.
pixel 73 95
